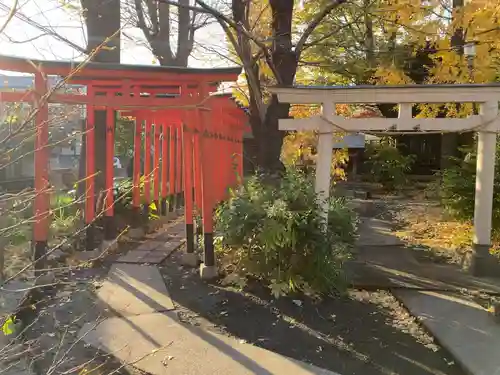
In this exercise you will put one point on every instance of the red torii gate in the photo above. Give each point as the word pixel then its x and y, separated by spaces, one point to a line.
pixel 197 138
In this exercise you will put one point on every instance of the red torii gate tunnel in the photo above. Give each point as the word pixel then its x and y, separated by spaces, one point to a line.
pixel 196 137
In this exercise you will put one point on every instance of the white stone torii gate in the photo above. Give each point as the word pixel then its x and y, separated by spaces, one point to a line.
pixel 487 124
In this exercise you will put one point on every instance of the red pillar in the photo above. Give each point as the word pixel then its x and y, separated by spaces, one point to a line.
pixel 206 184
pixel 216 127
pixel 171 168
pixel 227 152
pixel 90 175
pixel 197 129
pixel 136 179
pixel 110 154
pixel 187 141
pixel 228 166
pixel 234 156
pixel 178 164
pixel 157 150
pixel 147 165
pixel 164 165
pixel 42 186
pixel 240 130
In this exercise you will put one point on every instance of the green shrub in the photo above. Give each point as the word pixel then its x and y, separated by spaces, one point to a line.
pixel 387 165
pixel 275 234
pixel 458 186
pixel 123 196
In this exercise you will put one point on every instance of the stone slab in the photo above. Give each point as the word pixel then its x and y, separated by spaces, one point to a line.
pixel 170 246
pixel 132 289
pixel 161 236
pixel 465 329
pixel 148 245
pixel 133 256
pixel 153 258
pixel 179 349
pixel 178 227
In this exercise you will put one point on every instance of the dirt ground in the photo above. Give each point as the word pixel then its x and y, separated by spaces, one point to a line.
pixel 433 235
pixel 51 341
pixel 362 333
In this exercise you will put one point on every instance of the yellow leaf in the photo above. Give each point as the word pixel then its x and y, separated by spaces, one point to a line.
pixel 8 326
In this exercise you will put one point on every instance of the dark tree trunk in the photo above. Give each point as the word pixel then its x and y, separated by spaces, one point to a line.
pixel 102 20
pixel 284 59
pixel 449 141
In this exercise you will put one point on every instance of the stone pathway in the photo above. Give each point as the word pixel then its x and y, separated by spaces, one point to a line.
pixel 464 328
pixel 147 334
pixel 436 294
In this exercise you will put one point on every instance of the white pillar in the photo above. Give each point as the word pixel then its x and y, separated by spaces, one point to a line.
pixel 485 175
pixel 324 159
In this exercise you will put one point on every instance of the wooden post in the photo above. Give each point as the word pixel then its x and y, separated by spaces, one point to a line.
pixel 109 232
pixel 147 166
pixel 197 159
pixel 156 173
pixel 324 161
pixel 187 139
pixel 178 166
pixel 164 165
pixel 42 185
pixel 483 263
pixel 238 154
pixel 137 231
pixel 171 168
pixel 89 175
pixel 208 269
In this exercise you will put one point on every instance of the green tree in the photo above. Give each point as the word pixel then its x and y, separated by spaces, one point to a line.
pixel 124 137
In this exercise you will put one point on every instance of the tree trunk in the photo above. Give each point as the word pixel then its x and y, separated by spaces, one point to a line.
pixel 103 27
pixel 284 59
pixel 449 141
pixel 159 33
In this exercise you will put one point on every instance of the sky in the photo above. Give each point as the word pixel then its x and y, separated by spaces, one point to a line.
pixel 23 39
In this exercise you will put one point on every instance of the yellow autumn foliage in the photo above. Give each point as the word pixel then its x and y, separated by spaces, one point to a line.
pixel 299 148
pixel 431 22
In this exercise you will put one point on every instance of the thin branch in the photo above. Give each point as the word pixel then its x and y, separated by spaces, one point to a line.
pixel 13 41
pixel 10 15
pixel 314 23
pixel 42 28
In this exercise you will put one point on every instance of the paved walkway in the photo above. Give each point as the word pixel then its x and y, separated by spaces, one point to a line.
pixel 146 332
pixel 438 295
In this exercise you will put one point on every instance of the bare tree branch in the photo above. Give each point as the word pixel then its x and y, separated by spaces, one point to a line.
pixel 19 15
pixel 10 15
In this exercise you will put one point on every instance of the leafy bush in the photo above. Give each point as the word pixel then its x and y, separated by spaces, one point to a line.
pixel 458 186
pixel 276 235
pixel 123 195
pixel 387 165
